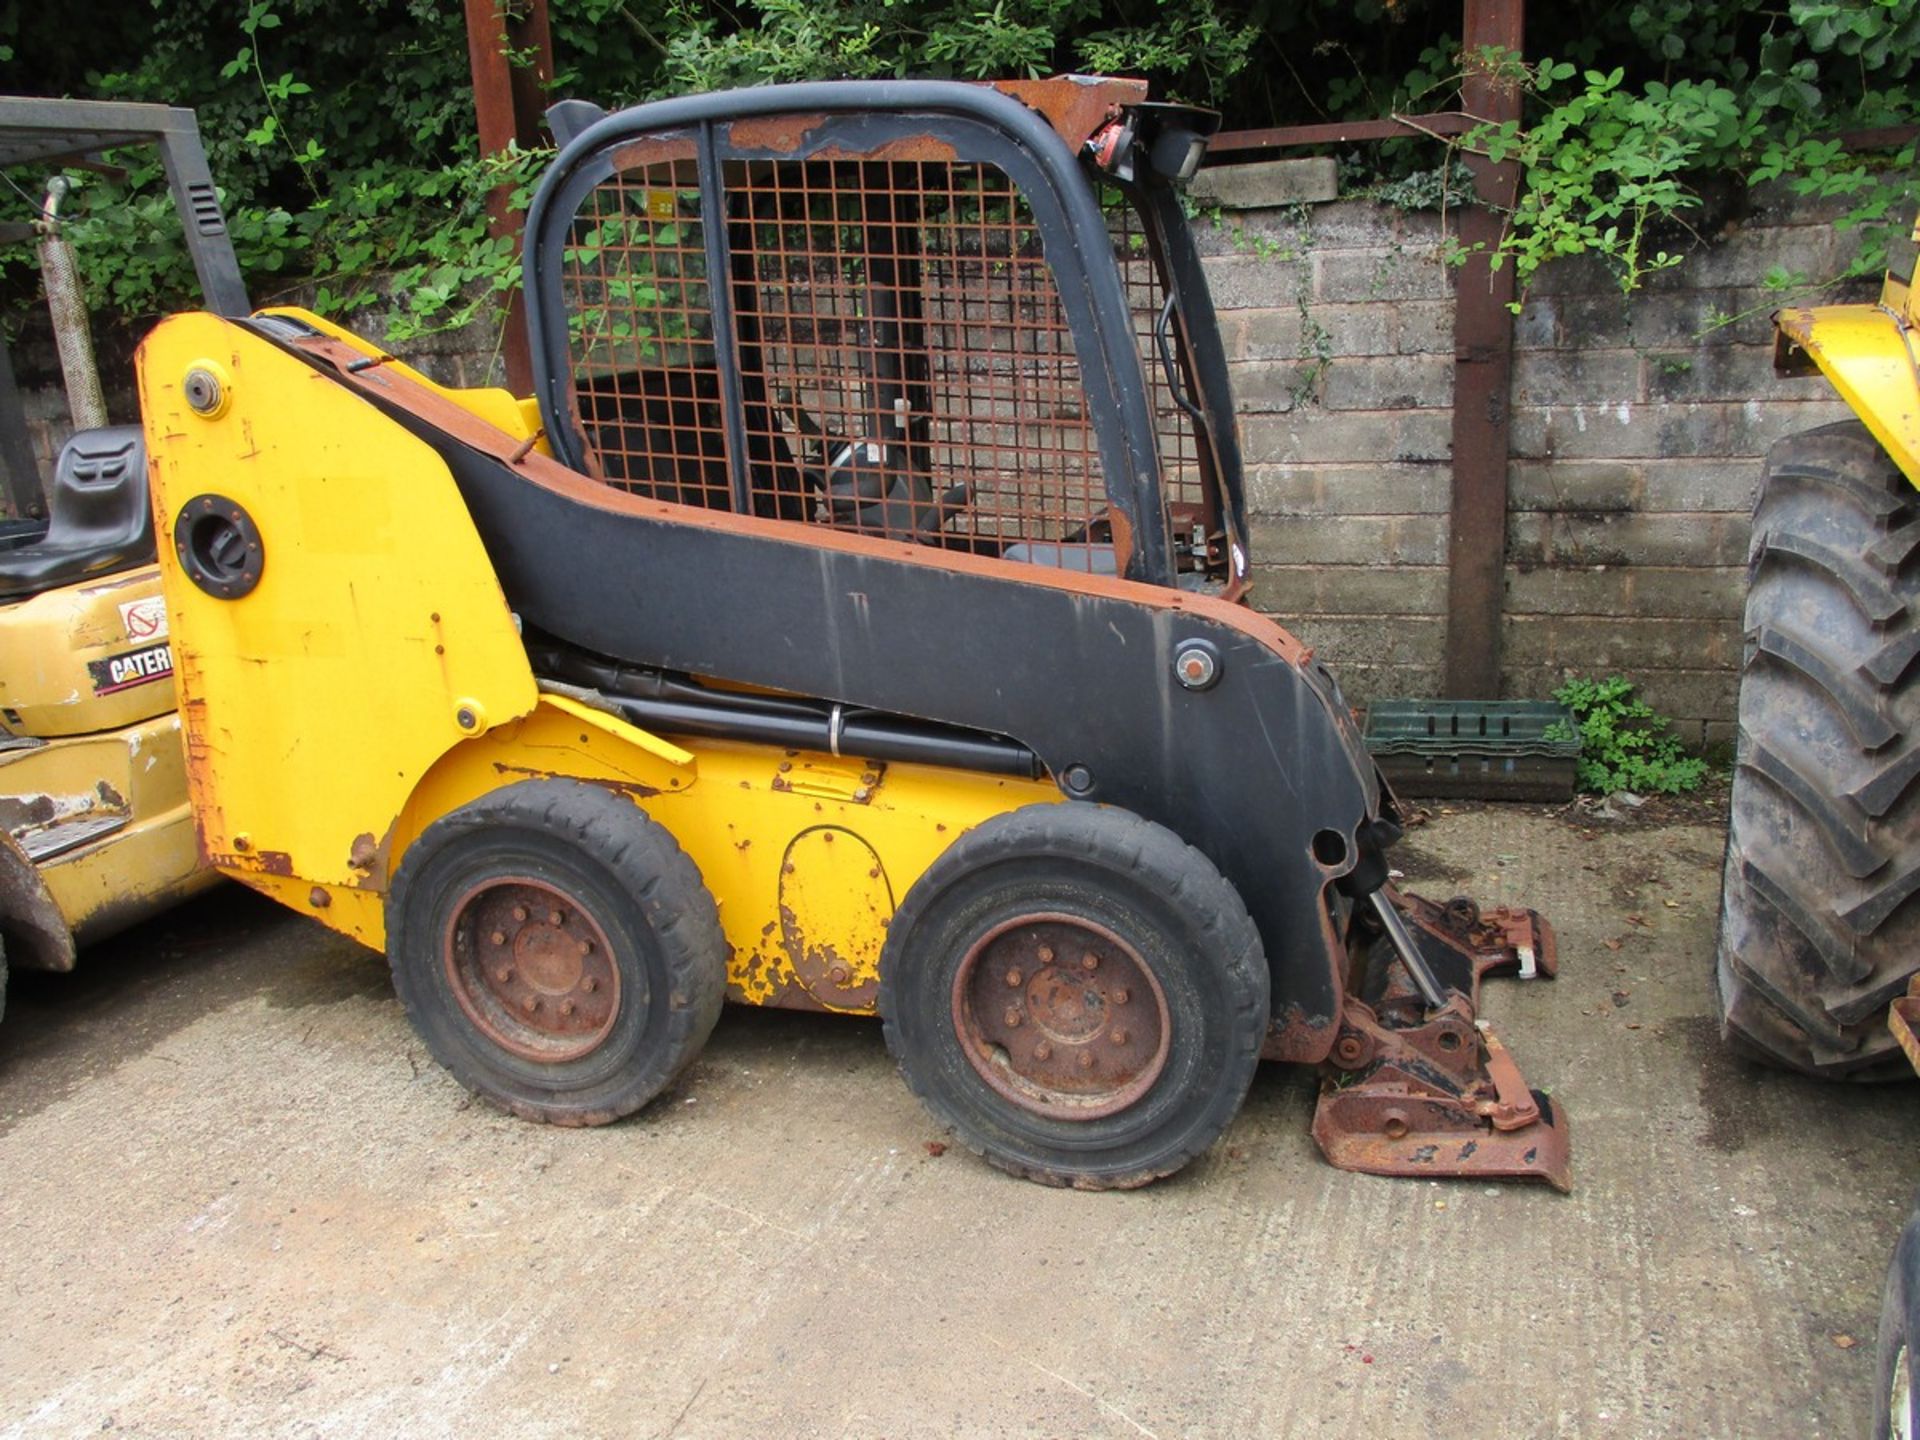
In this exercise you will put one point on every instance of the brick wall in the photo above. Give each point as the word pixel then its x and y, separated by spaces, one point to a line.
pixel 1638 433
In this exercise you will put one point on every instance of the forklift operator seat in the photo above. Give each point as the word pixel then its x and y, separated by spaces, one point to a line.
pixel 100 519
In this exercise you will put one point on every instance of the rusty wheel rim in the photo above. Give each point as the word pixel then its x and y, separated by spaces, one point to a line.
pixel 531 968
pixel 1061 1016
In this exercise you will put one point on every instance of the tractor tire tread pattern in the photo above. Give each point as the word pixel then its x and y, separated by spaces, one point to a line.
pixel 1823 845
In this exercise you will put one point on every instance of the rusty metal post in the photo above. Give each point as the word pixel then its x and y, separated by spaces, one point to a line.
pixel 1482 376
pixel 507 104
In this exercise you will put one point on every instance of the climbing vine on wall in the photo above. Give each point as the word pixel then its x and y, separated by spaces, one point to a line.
pixel 341 130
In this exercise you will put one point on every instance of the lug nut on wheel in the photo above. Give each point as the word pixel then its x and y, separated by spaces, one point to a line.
pixel 1012 1018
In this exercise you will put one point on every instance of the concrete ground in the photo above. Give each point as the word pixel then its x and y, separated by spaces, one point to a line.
pixel 237 1198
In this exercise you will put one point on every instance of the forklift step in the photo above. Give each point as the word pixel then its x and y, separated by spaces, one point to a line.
pixel 69 834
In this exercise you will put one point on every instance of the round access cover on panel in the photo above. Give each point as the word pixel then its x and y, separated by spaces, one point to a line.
pixel 219 546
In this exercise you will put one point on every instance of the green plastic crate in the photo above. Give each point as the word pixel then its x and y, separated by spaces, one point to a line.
pixel 1474 749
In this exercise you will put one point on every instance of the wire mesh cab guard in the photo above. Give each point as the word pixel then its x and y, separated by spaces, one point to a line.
pixel 890 308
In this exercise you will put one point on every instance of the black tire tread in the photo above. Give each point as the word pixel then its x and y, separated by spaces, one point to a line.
pixel 1899 1323
pixel 654 870
pixel 1871 595
pixel 1824 838
pixel 1150 852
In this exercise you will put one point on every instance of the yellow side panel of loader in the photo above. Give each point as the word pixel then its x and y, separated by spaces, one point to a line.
pixel 806 854
pixel 391 614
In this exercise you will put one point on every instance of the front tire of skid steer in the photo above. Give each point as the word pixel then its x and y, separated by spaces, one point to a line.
pixel 1078 994
pixel 557 951
pixel 1818 928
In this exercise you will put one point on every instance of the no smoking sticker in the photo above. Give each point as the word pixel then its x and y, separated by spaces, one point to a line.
pixel 145 619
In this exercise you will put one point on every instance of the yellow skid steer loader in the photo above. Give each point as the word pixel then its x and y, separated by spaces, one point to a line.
pixel 852 620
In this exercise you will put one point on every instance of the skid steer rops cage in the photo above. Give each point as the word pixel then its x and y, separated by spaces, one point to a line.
pixel 893 351
pixel 871 511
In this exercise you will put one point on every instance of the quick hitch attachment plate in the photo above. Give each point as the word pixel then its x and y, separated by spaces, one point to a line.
pixel 1414 1088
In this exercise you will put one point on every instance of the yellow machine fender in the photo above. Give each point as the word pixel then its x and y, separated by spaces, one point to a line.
pixel 1867 351
pixel 806 854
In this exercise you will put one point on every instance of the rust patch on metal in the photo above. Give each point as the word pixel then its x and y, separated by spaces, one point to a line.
pixel 17 812
pixel 784 995
pixel 531 968
pixel 777 134
pixel 110 796
pixel 1901 1019
pixel 658 150
pixel 1413 1091
pixel 1061 1016
pixel 829 976
pixel 1075 105
pixel 273 862
pixel 365 851
pixel 910 147
pixel 1296 1038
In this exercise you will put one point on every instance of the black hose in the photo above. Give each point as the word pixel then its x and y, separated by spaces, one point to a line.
pixel 673 705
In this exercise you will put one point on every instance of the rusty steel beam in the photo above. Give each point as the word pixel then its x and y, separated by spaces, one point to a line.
pixel 1879 137
pixel 507 103
pixel 1395 127
pixel 530 33
pixel 1482 378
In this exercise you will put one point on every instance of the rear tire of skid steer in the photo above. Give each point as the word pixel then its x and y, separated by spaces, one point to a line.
pixel 557 951
pixel 1818 928
pixel 1077 994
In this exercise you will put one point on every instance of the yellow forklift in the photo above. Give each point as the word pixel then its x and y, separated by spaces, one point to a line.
pixel 853 620
pixel 97 831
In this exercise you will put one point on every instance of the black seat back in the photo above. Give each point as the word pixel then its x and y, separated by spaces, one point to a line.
pixel 100 519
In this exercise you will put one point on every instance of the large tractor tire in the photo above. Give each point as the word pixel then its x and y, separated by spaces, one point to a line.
pixel 1818 927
